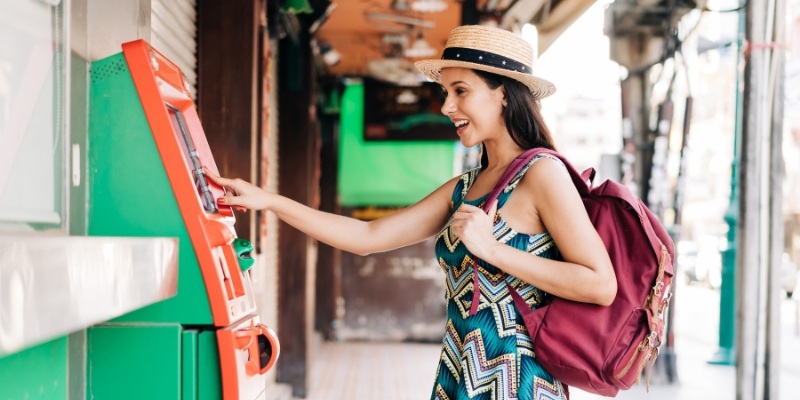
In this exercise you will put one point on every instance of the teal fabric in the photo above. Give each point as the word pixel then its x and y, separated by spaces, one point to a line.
pixel 378 173
pixel 489 355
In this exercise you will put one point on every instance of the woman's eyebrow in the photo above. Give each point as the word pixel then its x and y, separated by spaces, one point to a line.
pixel 458 82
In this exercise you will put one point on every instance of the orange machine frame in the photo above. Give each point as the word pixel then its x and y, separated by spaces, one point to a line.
pixel 242 361
pixel 161 86
pixel 247 349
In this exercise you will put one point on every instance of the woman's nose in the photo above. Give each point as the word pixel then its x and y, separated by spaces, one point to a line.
pixel 447 106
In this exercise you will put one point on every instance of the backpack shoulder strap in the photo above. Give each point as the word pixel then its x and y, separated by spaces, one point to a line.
pixel 521 173
pixel 511 171
pixel 583 184
pixel 514 170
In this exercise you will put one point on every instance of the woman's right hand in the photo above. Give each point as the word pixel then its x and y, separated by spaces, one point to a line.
pixel 240 193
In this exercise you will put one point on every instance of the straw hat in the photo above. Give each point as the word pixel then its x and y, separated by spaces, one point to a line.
pixel 492 50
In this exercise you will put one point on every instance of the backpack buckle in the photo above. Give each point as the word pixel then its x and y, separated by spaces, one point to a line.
pixel 656 291
pixel 665 303
pixel 653 341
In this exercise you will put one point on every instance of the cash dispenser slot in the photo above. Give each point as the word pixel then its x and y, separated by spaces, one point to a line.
pixel 247 351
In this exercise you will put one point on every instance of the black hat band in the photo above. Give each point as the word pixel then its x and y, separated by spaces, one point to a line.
pixel 485 58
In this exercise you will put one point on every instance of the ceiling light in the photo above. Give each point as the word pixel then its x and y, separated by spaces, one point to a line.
pixel 376 16
pixel 407 97
pixel 399 71
pixel 330 56
pixel 420 48
pixel 429 5
pixel 395 38
pixel 400 5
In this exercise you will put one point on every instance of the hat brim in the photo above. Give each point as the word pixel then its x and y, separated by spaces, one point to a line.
pixel 539 87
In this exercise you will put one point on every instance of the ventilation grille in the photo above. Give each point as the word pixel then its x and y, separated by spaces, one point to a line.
pixel 107 70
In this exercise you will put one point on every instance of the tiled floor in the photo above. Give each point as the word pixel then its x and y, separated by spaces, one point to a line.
pixel 379 371
pixel 405 371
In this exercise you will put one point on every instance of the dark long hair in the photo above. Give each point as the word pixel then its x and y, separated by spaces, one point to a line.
pixel 521 114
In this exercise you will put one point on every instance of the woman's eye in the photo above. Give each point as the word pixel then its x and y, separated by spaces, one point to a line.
pixel 460 91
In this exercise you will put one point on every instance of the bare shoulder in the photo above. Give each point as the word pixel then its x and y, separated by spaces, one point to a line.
pixel 450 185
pixel 547 175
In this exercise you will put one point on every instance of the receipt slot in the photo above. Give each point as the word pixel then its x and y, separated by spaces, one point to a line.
pixel 147 151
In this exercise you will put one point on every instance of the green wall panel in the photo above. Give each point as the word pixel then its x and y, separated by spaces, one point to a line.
pixel 129 192
pixel 37 373
pixel 386 173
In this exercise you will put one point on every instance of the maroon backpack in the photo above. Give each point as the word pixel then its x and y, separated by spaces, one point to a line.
pixel 602 349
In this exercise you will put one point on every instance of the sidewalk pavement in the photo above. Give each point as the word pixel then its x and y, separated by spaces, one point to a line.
pixel 405 371
pixel 696 336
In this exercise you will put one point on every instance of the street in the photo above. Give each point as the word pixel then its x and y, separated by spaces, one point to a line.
pixel 696 339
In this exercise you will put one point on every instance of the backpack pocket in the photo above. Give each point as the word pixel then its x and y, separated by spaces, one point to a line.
pixel 631 351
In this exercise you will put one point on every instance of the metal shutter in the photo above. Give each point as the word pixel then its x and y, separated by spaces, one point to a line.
pixel 174 33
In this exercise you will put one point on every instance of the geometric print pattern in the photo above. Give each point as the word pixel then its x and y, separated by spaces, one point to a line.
pixel 489 356
pixel 496 376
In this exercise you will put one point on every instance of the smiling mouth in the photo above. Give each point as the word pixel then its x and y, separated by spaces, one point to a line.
pixel 461 126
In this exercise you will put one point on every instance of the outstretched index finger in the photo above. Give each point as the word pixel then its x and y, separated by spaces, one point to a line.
pixel 464 207
pixel 216 178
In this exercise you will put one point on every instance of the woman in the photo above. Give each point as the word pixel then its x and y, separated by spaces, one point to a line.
pixel 536 236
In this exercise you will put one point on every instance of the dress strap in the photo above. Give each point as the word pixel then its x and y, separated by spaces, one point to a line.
pixel 462 187
pixel 518 177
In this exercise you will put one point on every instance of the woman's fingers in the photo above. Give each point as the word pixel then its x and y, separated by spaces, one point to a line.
pixel 229 198
pixel 216 178
pixel 468 208
pixel 229 184
pixel 493 209
pixel 240 193
pixel 464 211
pixel 467 215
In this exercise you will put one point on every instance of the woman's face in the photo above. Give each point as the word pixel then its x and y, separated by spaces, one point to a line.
pixel 475 109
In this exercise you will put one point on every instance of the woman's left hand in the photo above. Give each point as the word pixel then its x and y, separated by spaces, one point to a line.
pixel 474 227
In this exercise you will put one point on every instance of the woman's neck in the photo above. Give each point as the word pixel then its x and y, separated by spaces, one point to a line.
pixel 501 155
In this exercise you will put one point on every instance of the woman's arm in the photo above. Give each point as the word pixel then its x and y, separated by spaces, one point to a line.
pixel 586 273
pixel 407 226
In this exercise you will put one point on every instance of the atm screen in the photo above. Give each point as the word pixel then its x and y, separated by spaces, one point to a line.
pixel 192 160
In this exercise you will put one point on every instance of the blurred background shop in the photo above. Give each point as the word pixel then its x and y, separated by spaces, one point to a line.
pixel 689 103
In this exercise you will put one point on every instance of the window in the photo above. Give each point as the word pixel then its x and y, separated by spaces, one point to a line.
pixel 32 115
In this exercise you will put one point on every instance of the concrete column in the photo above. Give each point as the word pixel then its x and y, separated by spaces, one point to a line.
pixel 761 230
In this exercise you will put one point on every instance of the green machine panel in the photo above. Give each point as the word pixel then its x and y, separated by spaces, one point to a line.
pixel 208 366
pixel 147 154
pixel 134 362
pixel 129 193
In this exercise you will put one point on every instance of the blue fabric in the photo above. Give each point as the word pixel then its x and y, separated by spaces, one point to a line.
pixel 489 355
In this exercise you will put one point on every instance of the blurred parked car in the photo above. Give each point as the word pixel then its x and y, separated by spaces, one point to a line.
pixel 700 261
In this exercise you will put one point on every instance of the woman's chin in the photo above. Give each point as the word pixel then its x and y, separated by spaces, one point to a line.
pixel 466 141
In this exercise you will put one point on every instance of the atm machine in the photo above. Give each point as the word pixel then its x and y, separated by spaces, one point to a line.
pixel 146 152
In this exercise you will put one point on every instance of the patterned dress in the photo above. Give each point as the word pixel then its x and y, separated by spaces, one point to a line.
pixel 489 356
